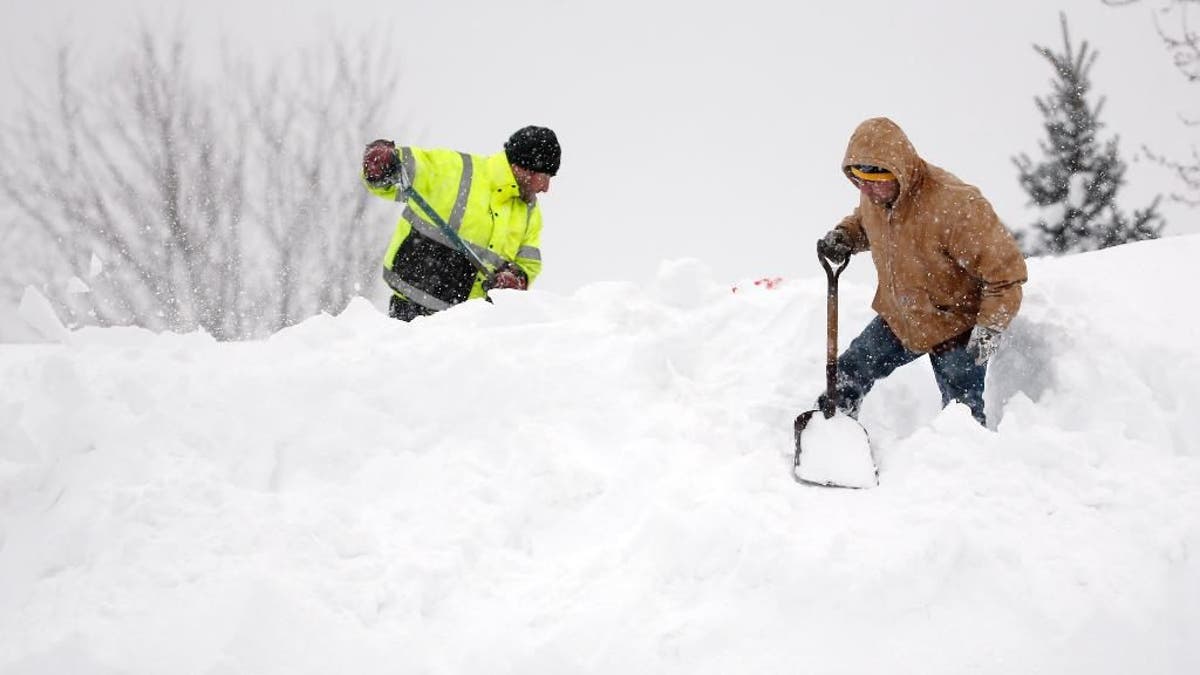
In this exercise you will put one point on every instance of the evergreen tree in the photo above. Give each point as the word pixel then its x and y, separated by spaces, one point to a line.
pixel 1075 185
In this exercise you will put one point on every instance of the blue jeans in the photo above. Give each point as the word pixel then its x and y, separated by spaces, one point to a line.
pixel 875 353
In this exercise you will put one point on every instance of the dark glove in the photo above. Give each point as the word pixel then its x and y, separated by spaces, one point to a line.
pixel 983 343
pixel 845 404
pixel 381 166
pixel 507 276
pixel 835 246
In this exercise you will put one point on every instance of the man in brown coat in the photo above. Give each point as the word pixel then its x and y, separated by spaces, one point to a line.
pixel 949 273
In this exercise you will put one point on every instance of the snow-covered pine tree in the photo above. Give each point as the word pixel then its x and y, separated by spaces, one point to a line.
pixel 1075 186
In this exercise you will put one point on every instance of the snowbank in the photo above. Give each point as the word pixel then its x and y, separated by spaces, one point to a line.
pixel 601 484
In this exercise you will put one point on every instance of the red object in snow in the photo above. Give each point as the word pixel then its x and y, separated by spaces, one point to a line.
pixel 769 283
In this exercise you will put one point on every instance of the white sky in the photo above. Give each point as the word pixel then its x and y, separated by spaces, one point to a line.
pixel 600 483
pixel 711 130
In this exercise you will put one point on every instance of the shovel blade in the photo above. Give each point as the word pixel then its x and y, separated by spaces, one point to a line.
pixel 833 452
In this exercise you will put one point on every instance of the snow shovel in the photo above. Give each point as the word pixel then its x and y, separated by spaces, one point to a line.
pixel 832 449
pixel 390 276
pixel 450 234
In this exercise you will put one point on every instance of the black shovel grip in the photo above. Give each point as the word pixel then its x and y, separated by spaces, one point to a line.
pixel 831 271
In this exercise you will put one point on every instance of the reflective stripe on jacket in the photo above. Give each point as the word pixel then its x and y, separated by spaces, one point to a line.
pixel 477 196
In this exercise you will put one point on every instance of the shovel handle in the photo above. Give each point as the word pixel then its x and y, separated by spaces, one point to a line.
pixel 832 272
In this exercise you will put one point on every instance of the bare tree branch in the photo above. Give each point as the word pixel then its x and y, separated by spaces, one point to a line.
pixel 1182 41
pixel 231 207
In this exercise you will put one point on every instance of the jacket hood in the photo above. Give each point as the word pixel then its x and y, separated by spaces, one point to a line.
pixel 880 142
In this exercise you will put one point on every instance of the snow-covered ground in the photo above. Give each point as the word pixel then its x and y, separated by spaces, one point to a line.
pixel 600 483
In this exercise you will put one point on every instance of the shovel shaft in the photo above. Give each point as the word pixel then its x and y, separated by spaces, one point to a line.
pixel 831 327
pixel 831 340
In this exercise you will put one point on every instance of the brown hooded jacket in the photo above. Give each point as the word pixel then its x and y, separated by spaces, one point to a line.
pixel 944 260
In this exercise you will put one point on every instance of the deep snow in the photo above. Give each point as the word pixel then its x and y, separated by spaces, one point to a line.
pixel 600 483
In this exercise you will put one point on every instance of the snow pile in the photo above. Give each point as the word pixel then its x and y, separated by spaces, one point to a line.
pixel 602 483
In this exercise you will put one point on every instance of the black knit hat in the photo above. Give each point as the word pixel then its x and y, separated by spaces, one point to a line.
pixel 534 148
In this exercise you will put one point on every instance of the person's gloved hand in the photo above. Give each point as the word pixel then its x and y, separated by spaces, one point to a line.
pixel 381 166
pixel 507 276
pixel 848 407
pixel 835 246
pixel 983 343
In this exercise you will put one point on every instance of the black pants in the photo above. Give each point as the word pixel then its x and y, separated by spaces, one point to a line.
pixel 406 310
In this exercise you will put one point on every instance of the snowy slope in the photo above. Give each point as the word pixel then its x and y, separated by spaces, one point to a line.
pixel 600 484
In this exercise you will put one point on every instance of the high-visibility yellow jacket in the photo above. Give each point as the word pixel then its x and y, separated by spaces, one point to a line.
pixel 477 196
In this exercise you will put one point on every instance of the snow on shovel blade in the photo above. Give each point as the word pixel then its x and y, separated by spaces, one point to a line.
pixel 833 452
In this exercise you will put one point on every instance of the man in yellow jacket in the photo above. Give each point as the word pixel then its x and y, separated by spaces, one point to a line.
pixel 489 204
pixel 949 272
